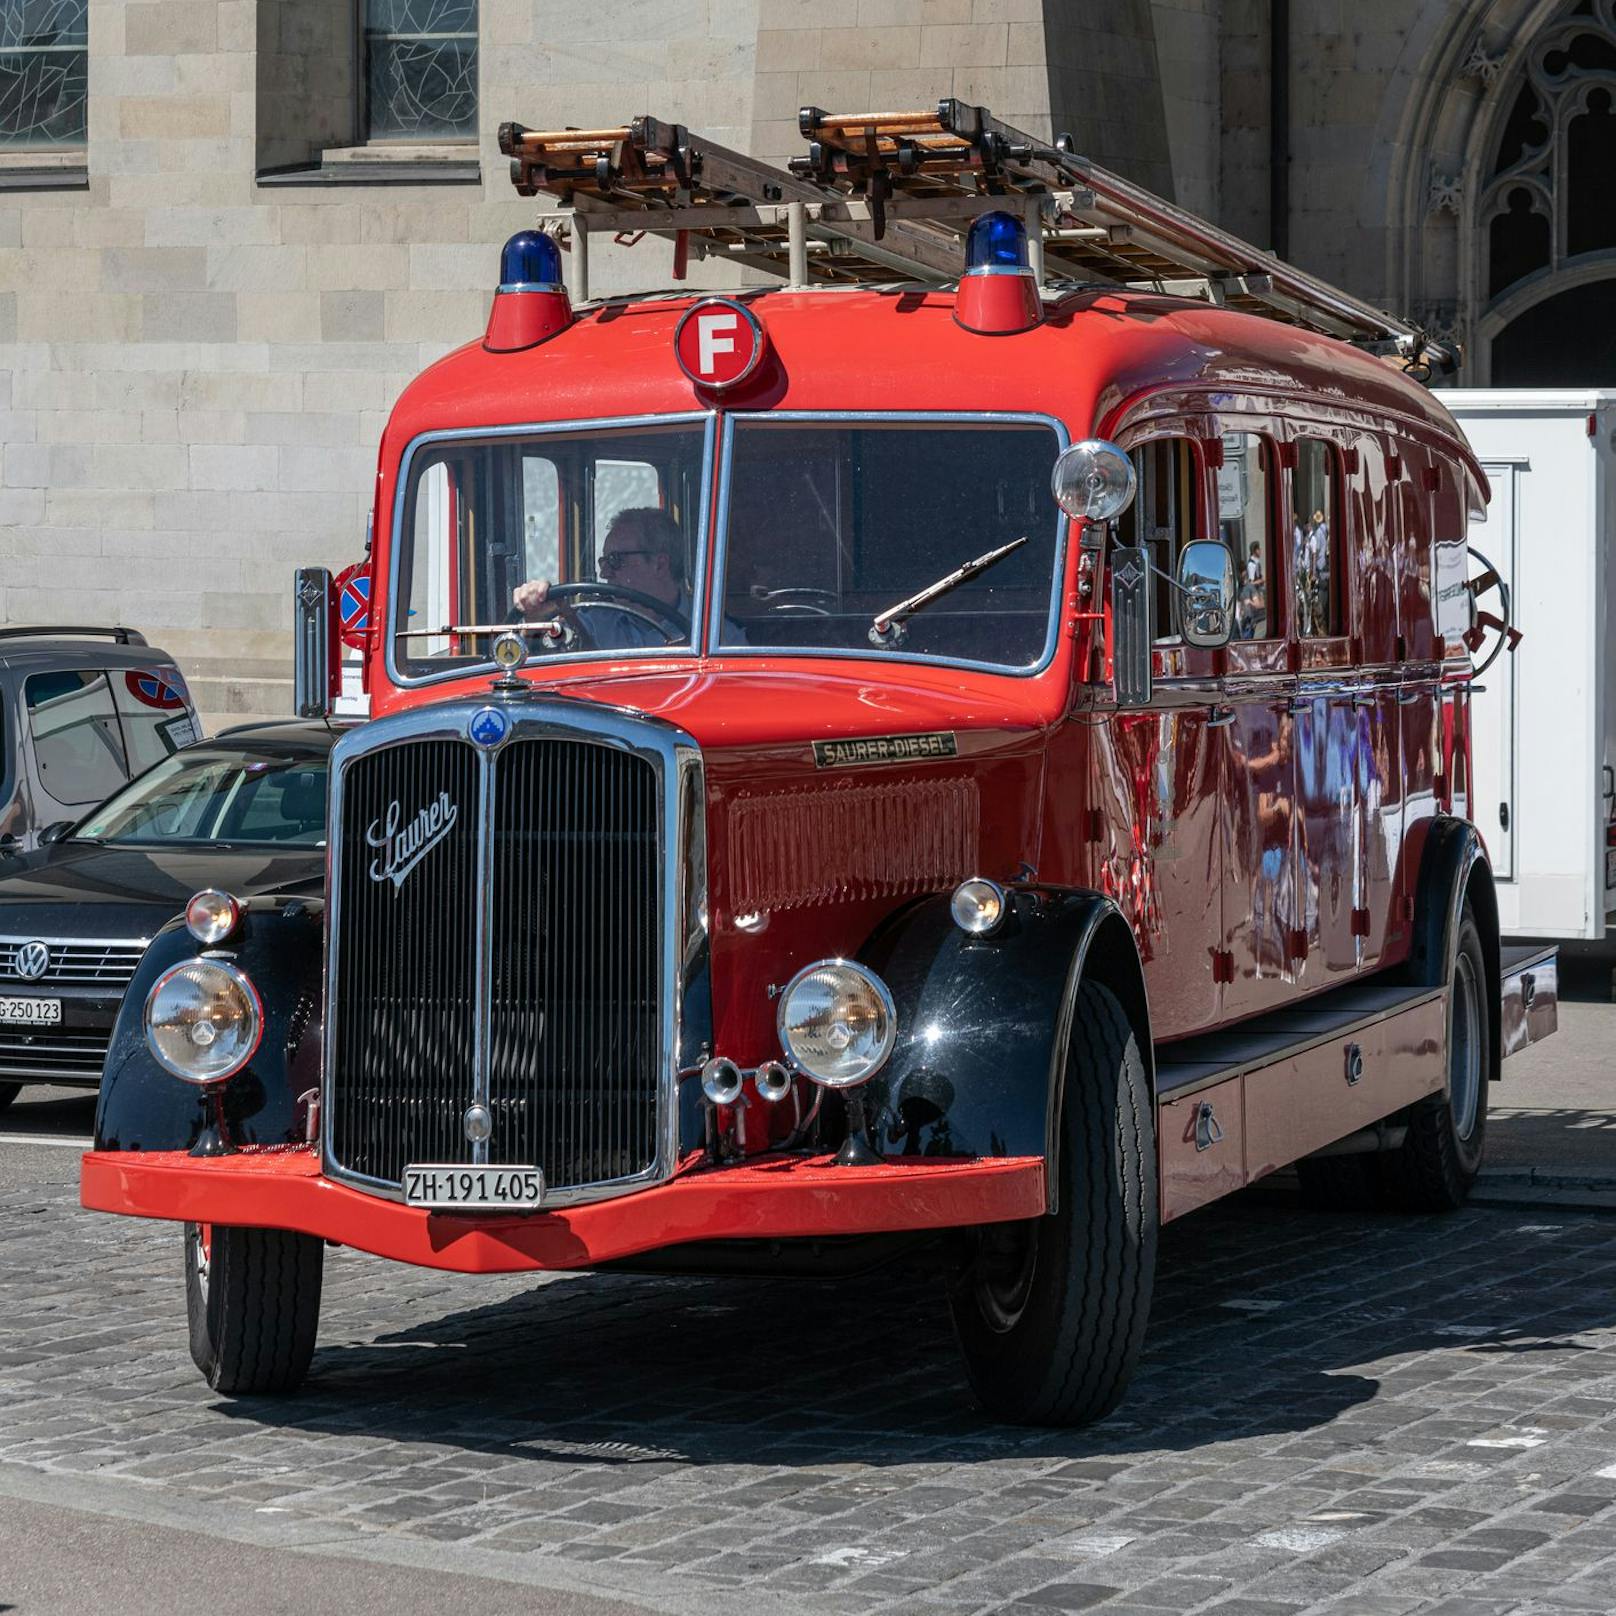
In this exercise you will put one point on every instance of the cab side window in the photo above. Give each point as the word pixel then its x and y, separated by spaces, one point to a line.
pixel 1315 536
pixel 77 743
pixel 1162 517
pixel 1244 525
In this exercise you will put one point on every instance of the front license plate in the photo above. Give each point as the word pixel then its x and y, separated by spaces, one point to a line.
pixel 474 1189
pixel 31 1012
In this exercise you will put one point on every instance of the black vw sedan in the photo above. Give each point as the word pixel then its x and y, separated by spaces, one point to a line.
pixel 244 811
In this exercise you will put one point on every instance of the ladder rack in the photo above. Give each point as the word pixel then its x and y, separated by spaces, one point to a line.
pixel 884 195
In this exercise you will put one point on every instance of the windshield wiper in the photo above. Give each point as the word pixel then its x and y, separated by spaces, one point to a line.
pixel 887 627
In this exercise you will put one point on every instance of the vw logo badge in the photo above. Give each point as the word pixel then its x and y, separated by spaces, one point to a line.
pixel 32 962
pixel 488 726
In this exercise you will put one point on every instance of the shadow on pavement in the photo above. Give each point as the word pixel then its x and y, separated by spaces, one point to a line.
pixel 1267 1320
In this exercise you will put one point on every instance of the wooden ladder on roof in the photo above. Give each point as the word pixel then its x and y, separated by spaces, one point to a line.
pixel 880 195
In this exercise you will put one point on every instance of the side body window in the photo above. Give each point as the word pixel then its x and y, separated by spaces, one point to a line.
pixel 1244 479
pixel 1162 517
pixel 77 743
pixel 1316 541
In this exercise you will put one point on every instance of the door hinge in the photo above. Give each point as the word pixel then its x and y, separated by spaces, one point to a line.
pixel 1222 965
pixel 1360 922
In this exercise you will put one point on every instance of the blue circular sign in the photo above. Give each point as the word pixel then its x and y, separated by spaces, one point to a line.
pixel 488 726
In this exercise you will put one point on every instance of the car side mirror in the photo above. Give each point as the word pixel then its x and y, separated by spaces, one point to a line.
pixel 54 832
pixel 1206 593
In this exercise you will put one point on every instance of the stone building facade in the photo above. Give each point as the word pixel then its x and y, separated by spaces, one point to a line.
pixel 211 294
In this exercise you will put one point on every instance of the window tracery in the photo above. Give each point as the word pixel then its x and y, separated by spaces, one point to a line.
pixel 44 50
pixel 1542 203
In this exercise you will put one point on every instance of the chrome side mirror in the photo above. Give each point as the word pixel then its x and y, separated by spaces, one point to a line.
pixel 1206 593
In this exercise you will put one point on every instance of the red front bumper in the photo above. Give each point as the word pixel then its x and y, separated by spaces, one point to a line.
pixel 775 1200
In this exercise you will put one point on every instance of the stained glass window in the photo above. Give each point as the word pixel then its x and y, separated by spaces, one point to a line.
pixel 421 69
pixel 44 50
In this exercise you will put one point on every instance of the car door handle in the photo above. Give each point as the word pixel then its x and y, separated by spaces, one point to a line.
pixel 1219 717
pixel 1407 698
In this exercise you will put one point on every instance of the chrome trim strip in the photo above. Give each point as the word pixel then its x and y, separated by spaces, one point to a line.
pixel 77 942
pixel 482 970
pixel 681 848
pixel 720 547
pixel 707 419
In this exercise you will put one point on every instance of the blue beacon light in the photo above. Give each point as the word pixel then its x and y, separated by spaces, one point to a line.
pixel 996 244
pixel 529 262
pixel 998 293
pixel 530 303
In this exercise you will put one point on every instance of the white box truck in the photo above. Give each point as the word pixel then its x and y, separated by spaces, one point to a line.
pixel 1544 721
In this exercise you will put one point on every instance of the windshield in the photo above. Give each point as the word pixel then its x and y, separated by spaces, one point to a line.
pixel 209 794
pixel 910 538
pixel 595 533
pixel 830 526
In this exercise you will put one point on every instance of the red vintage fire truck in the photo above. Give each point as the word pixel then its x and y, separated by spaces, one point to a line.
pixel 967 747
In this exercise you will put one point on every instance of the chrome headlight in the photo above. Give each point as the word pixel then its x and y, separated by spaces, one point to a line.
pixel 837 1022
pixel 212 915
pixel 203 1020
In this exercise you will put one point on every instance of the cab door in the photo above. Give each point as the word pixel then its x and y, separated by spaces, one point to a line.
pixel 1257 754
pixel 1157 780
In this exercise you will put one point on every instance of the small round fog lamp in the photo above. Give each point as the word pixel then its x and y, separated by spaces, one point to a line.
pixel 978 906
pixel 837 1022
pixel 510 652
pixel 203 1020
pixel 212 915
pixel 1094 479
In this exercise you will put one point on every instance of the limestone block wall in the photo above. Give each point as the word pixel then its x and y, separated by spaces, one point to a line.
pixel 195 365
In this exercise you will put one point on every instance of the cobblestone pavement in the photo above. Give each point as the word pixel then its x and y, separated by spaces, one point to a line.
pixel 1335 1414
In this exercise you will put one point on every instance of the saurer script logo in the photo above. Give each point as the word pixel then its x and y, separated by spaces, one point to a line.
pixel 403 846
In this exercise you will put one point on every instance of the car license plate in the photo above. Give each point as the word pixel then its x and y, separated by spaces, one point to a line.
pixel 473 1189
pixel 31 1012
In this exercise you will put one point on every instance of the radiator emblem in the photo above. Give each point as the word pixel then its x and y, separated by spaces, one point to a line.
pixel 488 726
pixel 403 846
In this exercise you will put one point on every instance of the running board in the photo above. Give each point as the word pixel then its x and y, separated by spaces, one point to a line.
pixel 1236 1105
pixel 1320 1076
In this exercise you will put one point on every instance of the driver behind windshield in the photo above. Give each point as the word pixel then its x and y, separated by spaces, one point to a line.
pixel 644 553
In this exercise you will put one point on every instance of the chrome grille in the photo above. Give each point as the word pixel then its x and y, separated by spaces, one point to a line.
pixel 82 964
pixel 404 973
pixel 574 1034
pixel 520 960
pixel 44 1051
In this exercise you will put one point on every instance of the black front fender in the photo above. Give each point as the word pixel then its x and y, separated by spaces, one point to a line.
pixel 144 1107
pixel 983 1022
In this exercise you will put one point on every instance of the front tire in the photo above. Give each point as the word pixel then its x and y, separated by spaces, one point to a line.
pixel 1051 1313
pixel 252 1297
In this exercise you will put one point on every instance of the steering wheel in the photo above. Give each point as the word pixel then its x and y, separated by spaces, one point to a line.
pixel 796 602
pixel 1508 635
pixel 617 597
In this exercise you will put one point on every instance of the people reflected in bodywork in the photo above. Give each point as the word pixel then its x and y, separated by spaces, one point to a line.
pixel 1270 777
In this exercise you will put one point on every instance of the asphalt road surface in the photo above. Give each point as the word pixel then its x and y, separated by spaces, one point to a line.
pixel 1343 1415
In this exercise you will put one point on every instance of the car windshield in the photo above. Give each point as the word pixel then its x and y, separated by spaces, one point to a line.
pixel 590 541
pixel 831 525
pixel 218 794
pixel 595 532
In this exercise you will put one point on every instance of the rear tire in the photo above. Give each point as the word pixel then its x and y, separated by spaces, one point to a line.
pixel 8 1093
pixel 1051 1314
pixel 1447 1134
pixel 252 1297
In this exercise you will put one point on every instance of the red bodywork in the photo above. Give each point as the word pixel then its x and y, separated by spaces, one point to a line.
pixel 1259 825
